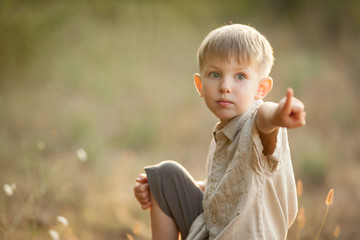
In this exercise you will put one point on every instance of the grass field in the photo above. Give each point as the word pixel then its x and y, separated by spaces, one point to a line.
pixel 92 93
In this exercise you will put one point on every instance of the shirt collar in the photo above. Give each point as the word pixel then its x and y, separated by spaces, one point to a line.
pixel 231 129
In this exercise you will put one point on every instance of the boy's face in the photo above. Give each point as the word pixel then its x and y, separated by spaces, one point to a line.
pixel 228 87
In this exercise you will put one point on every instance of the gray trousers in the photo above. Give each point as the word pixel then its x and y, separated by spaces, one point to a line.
pixel 176 193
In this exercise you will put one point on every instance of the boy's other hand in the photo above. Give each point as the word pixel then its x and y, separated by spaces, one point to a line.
pixel 142 191
pixel 201 185
pixel 290 112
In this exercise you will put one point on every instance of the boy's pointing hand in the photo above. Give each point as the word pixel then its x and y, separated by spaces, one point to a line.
pixel 290 111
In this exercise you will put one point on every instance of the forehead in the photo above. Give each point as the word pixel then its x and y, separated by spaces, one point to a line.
pixel 212 59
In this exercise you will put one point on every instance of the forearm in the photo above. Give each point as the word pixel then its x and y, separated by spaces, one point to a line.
pixel 265 118
pixel 266 126
pixel 288 113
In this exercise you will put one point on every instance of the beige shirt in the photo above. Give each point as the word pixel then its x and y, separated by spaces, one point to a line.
pixel 248 195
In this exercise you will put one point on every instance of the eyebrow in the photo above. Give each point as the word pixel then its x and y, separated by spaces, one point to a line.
pixel 240 68
pixel 211 66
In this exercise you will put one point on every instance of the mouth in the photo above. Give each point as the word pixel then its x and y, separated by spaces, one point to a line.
pixel 224 102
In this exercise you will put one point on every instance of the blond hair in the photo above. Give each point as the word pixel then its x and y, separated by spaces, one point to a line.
pixel 241 41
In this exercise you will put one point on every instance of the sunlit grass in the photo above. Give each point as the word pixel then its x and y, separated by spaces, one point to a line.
pixel 329 201
pixel 301 217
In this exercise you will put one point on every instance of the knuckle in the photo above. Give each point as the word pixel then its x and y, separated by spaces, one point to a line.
pixel 143 201
pixel 143 195
pixel 144 187
pixel 137 185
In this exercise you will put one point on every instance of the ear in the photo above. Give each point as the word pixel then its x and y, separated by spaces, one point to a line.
pixel 198 84
pixel 265 85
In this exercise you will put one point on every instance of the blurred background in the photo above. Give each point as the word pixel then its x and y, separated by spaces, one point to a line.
pixel 93 91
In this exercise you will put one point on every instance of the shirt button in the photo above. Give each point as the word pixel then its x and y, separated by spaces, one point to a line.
pixel 218 160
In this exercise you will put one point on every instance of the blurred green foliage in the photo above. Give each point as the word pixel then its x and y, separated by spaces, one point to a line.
pixel 314 168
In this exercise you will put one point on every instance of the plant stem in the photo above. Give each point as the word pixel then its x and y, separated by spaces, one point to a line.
pixel 18 218
pixel 322 224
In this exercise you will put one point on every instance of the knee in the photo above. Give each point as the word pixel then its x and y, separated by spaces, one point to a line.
pixel 169 169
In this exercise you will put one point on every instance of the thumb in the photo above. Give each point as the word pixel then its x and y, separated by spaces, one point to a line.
pixel 141 178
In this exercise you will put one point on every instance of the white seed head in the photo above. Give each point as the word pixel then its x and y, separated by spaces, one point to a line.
pixel 8 190
pixel 63 220
pixel 54 235
pixel 81 154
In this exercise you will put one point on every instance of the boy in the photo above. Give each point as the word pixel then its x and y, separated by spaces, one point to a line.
pixel 249 191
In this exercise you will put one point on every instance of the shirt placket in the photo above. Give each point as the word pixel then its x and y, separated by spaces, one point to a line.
pixel 218 163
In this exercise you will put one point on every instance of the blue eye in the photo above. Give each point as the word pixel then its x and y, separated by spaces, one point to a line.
pixel 240 76
pixel 214 75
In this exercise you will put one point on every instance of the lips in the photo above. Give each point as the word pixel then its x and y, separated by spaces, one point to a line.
pixel 224 102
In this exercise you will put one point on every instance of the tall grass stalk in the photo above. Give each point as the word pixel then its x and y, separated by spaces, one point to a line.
pixel 337 232
pixel 329 201
pixel 301 214
pixel 24 210
pixel 301 222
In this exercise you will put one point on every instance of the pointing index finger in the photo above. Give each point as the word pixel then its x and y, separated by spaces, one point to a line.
pixel 289 95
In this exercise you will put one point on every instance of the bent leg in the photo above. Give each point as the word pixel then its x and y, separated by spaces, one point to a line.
pixel 176 193
pixel 163 227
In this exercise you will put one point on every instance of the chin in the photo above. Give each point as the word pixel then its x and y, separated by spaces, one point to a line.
pixel 226 118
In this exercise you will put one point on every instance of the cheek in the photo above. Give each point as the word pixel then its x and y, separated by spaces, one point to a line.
pixel 249 89
pixel 208 97
pixel 246 95
pixel 209 90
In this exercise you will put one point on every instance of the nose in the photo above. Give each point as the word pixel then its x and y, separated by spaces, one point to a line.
pixel 225 86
